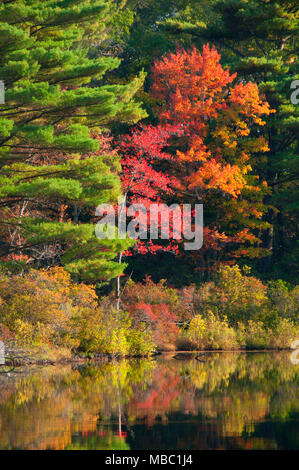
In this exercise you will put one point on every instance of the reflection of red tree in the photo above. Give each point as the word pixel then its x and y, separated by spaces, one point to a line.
pixel 159 398
pixel 149 403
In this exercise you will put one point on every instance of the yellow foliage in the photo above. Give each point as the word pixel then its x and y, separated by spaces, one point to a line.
pixel 45 308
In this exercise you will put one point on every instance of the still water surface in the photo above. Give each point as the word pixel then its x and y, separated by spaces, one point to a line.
pixel 230 401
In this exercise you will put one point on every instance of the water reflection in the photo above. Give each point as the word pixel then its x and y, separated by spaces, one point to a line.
pixel 231 401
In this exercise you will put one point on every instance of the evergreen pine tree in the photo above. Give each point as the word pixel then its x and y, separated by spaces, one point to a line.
pixel 52 171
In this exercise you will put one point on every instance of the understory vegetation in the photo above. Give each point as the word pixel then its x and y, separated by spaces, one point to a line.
pixel 55 317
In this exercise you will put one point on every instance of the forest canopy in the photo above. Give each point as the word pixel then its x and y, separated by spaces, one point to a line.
pixel 174 103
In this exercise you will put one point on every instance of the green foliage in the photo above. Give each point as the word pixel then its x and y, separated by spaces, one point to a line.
pixel 149 38
pixel 254 335
pixel 240 297
pixel 284 299
pixel 233 295
pixel 55 94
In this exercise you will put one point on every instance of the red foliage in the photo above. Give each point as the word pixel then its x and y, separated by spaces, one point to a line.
pixel 142 151
pixel 144 178
pixel 5 334
pixel 159 320
pixel 195 90
pixel 211 118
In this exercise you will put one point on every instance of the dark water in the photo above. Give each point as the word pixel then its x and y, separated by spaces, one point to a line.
pixel 231 401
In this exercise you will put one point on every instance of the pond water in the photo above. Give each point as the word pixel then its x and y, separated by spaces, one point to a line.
pixel 230 401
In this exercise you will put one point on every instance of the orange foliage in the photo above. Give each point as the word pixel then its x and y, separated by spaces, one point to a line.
pixel 197 92
pixel 217 114
pixel 40 305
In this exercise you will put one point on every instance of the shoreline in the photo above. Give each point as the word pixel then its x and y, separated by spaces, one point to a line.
pixel 107 358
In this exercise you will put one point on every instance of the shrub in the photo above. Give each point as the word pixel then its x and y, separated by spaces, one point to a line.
pixel 254 335
pixel 45 297
pixel 151 293
pixel 158 321
pixel 240 298
pixel 209 332
pixel 111 332
pixel 284 299
pixel 140 342
pixel 155 306
pixel 184 343
pixel 5 334
pixel 285 333
pixel 44 309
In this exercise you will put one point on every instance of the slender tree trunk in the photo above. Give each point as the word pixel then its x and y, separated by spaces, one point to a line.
pixel 268 242
pixel 76 215
pixel 118 292
pixel 119 411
